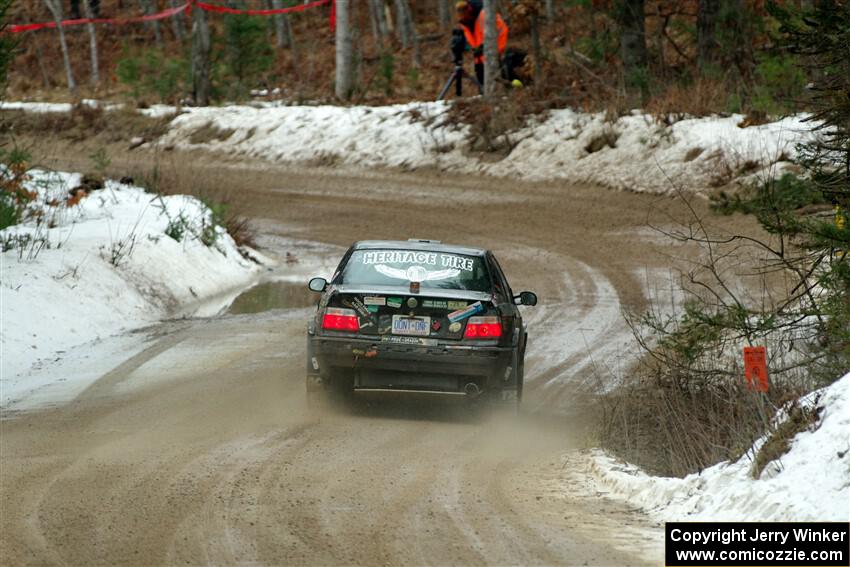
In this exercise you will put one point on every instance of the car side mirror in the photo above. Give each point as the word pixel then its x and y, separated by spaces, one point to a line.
pixel 526 298
pixel 318 284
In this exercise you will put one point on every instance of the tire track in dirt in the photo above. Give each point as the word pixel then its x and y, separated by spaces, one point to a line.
pixel 201 449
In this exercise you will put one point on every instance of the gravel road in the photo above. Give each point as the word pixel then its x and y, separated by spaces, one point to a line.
pixel 201 449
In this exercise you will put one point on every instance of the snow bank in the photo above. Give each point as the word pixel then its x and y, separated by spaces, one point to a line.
pixel 45 107
pixel 810 483
pixel 71 274
pixel 634 152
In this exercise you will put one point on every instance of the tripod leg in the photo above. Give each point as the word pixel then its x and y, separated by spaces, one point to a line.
pixel 459 82
pixel 445 88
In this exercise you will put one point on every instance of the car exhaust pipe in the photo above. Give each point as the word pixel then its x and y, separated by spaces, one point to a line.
pixel 472 390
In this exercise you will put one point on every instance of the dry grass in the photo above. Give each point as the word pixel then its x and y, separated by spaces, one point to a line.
pixel 677 427
pixel 176 176
pixel 494 123
pixel 86 123
pixel 800 418
pixel 210 132
pixel 703 97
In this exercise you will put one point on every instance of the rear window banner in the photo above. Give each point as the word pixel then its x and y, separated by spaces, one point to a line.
pixel 450 261
pixel 393 268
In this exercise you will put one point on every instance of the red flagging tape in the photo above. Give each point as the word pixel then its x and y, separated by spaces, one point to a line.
pixel 164 14
pixel 226 10
pixel 115 21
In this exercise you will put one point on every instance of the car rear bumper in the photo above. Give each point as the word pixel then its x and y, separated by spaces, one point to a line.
pixel 372 364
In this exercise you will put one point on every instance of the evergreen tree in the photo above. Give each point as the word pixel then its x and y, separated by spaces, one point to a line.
pixel 822 36
pixel 248 54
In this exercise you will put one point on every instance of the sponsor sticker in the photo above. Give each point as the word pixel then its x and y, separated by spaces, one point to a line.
pixel 366 322
pixel 432 304
pixel 358 306
pixel 412 302
pixel 455 327
pixel 402 340
pixel 375 300
pixel 462 314
pixel 371 353
pixel 456 304
pixel 385 324
pixel 394 302
pixel 435 325
pixel 372 308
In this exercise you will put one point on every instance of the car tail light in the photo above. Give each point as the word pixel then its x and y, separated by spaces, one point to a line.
pixel 336 319
pixel 483 328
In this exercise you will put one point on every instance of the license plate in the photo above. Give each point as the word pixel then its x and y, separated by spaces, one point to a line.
pixel 415 326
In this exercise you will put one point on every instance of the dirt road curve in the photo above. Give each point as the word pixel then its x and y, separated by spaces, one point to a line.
pixel 201 449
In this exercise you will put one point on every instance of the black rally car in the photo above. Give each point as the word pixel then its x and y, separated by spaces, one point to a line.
pixel 418 316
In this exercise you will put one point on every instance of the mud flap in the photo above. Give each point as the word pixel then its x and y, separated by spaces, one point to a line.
pixel 313 381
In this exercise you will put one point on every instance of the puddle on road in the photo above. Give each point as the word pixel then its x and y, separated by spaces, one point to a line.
pixel 273 295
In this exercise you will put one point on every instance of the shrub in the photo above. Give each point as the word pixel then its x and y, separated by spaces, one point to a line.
pixel 152 73
pixel 779 84
pixel 13 195
pixel 789 192
pixel 177 227
pixel 247 53
pixel 387 70
pixel 798 418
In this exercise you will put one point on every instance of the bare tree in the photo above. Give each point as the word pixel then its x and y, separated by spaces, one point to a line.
pixel 95 72
pixel 536 52
pixel 550 11
pixel 444 12
pixel 407 30
pixel 200 58
pixel 344 68
pixel 491 48
pixel 706 24
pixel 279 22
pixel 377 12
pixel 631 17
pixel 39 57
pixel 148 8
pixel 403 28
pixel 177 22
pixel 55 7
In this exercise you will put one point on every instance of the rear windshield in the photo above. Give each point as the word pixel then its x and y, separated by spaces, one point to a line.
pixel 430 269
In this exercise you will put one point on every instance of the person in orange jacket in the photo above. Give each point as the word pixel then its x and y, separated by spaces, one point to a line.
pixel 471 16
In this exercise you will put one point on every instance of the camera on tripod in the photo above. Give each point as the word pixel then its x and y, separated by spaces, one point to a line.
pixel 457 46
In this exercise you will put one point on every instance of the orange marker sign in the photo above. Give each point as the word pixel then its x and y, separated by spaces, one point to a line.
pixel 755 368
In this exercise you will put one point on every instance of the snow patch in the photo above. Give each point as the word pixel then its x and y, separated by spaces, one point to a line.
pixel 73 274
pixel 634 152
pixel 810 483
